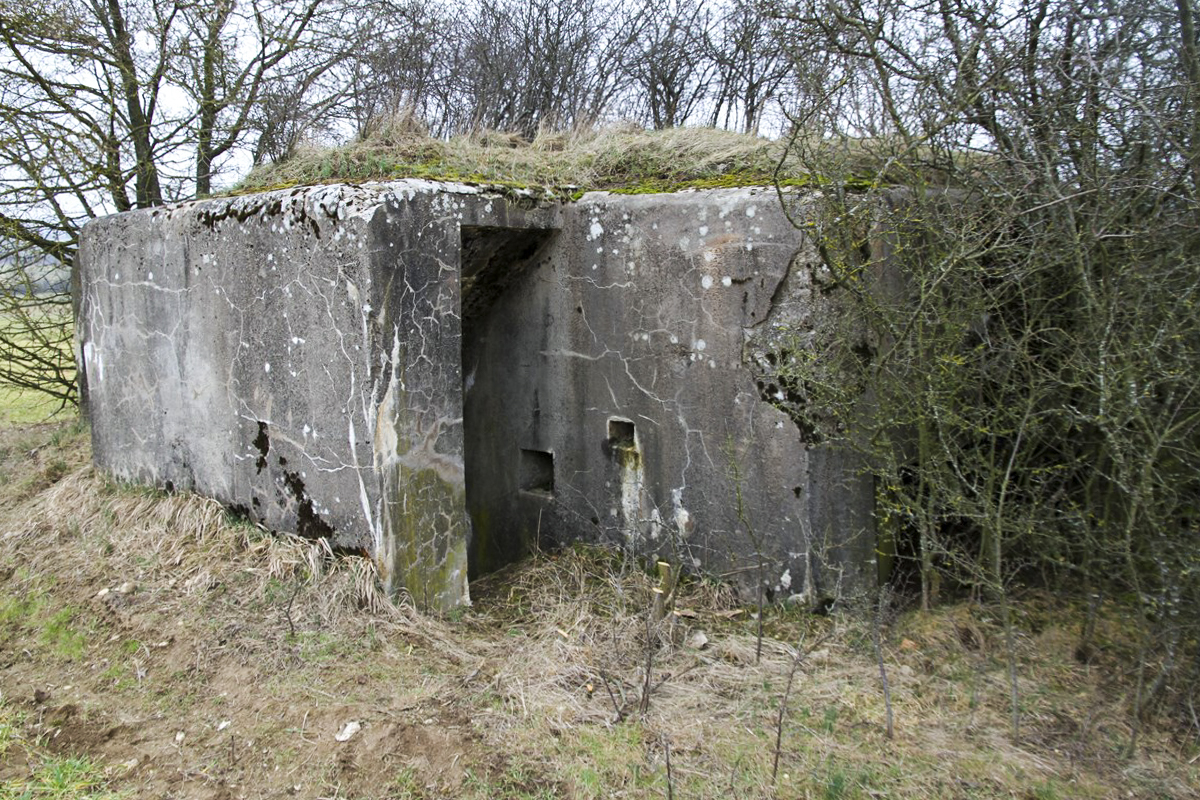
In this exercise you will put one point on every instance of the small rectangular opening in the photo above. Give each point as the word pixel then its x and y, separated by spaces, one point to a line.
pixel 621 433
pixel 536 472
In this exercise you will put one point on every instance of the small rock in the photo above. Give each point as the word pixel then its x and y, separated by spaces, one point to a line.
pixel 130 764
pixel 347 732
pixel 126 588
pixel 906 670
pixel 40 696
pixel 179 737
pixel 223 724
pixel 697 640
pixel 103 593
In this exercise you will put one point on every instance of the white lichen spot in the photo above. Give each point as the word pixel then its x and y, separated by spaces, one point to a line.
pixel 704 230
pixel 674 339
pixel 685 243
pixel 595 231
pixel 710 256
pixel 750 212
pixel 712 364
pixel 149 276
pixel 701 344
pixel 749 247
pixel 706 282
pixel 727 281
pixel 266 367
pixel 785 580
pixel 599 250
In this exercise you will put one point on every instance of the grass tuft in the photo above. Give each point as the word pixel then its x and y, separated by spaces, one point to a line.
pixel 622 158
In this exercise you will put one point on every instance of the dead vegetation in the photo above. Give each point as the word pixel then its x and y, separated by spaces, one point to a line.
pixel 619 158
pixel 186 653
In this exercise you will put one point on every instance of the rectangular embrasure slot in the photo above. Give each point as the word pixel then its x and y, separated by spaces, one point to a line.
pixel 621 433
pixel 536 473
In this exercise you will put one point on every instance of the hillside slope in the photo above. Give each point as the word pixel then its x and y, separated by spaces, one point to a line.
pixel 152 646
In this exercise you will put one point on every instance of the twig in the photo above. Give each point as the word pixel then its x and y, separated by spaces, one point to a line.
pixel 612 697
pixel 644 706
pixel 287 611
pixel 877 643
pixel 666 743
pixel 801 654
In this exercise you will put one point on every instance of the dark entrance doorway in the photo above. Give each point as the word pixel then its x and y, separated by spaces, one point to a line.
pixel 508 464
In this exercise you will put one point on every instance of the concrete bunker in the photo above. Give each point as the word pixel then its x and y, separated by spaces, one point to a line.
pixel 444 377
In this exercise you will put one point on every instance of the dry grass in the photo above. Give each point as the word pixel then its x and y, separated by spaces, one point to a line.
pixel 618 158
pixel 534 692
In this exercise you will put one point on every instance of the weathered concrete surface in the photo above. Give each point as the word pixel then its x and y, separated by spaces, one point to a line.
pixel 445 379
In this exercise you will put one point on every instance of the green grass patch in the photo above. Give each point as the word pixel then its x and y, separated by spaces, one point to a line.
pixel 45 330
pixel 33 615
pixel 52 777
pixel 62 778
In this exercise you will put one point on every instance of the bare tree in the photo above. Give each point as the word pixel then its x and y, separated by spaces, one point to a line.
pixel 670 66
pixel 748 47
pixel 109 105
pixel 293 45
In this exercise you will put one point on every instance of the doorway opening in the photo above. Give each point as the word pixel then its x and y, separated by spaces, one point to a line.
pixel 507 459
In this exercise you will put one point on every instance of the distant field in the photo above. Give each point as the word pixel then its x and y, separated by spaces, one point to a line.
pixel 22 406
pixel 17 405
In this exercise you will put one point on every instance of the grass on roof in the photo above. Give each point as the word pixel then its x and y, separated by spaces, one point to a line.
pixel 625 159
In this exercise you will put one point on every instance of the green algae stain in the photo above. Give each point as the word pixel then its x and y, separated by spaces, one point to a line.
pixel 425 518
pixel 424 522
